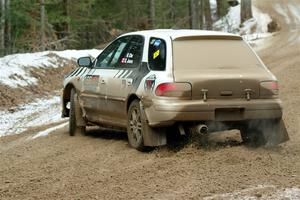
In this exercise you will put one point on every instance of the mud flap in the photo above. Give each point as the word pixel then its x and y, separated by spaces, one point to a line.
pixel 152 136
pixel 78 113
pixel 275 133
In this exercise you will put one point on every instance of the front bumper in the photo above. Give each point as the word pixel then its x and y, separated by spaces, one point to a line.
pixel 166 112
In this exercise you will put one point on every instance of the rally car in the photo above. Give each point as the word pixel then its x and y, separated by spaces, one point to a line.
pixel 148 81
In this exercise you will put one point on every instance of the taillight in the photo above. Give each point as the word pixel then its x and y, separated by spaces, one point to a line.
pixel 181 90
pixel 269 88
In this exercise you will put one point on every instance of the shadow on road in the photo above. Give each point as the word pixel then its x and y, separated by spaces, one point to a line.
pixel 107 134
pixel 214 141
pixel 176 142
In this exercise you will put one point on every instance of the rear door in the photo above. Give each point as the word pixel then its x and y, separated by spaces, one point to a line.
pixel 121 85
pixel 96 82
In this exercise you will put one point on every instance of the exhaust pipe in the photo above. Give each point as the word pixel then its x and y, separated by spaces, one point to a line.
pixel 201 129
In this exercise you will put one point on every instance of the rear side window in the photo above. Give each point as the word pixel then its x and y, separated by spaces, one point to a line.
pixel 157 54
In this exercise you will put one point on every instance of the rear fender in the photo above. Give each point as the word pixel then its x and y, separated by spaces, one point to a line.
pixel 152 136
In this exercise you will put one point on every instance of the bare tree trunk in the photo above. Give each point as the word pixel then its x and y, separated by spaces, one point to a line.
pixel 194 14
pixel 2 28
pixel 8 27
pixel 201 14
pixel 197 13
pixel 66 24
pixel 42 7
pixel 207 13
pixel 246 10
pixel 222 8
pixel 152 13
pixel 173 11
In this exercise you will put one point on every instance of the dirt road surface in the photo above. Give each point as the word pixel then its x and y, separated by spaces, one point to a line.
pixel 101 165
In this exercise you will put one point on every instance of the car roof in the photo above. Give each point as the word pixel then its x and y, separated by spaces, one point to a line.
pixel 181 33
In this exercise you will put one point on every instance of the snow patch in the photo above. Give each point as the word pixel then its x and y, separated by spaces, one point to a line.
pixel 283 11
pixel 75 54
pixel 213 7
pixel 15 68
pixel 254 30
pixel 21 118
pixel 231 22
pixel 50 130
pixel 260 192
pixel 296 13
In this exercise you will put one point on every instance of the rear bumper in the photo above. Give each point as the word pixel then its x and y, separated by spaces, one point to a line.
pixel 166 112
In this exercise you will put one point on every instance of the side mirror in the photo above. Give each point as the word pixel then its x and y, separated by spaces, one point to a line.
pixel 84 62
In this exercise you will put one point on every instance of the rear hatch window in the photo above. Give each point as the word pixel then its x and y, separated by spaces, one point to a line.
pixel 226 68
pixel 212 53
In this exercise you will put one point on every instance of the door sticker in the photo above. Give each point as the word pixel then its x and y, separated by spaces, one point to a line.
pixel 150 83
pixel 156 54
pixel 92 77
pixel 129 55
pixel 128 59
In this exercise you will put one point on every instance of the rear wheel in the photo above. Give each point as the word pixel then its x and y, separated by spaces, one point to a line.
pixel 135 126
pixel 73 127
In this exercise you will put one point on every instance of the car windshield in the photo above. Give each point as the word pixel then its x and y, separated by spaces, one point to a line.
pixel 213 53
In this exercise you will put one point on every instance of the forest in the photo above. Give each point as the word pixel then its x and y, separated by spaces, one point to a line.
pixel 37 25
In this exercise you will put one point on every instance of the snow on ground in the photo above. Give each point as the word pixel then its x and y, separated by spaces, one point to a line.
pixel 260 192
pixel 295 10
pixel 213 7
pixel 231 22
pixel 283 12
pixel 75 54
pixel 49 130
pixel 19 119
pixel 15 68
pixel 292 9
pixel 291 13
pixel 253 30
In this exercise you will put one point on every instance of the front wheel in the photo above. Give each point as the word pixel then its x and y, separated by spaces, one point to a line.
pixel 73 125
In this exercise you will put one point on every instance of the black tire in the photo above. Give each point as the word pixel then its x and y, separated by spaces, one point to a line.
pixel 176 141
pixel 135 126
pixel 73 128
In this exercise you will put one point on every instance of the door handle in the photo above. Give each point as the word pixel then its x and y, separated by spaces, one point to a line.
pixel 102 81
pixel 129 82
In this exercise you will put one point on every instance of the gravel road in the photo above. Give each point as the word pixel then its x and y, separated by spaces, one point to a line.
pixel 101 165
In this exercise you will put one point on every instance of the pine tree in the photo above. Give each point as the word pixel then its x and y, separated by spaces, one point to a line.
pixel 8 27
pixel 152 13
pixel 43 23
pixel 2 28
pixel 194 14
pixel 207 14
pixel 222 8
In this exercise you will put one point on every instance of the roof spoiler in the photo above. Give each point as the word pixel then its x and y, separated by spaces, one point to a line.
pixel 209 37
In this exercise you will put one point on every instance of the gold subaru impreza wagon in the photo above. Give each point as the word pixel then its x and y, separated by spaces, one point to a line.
pixel 147 81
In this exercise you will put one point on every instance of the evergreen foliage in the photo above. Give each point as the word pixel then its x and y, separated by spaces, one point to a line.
pixel 88 23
